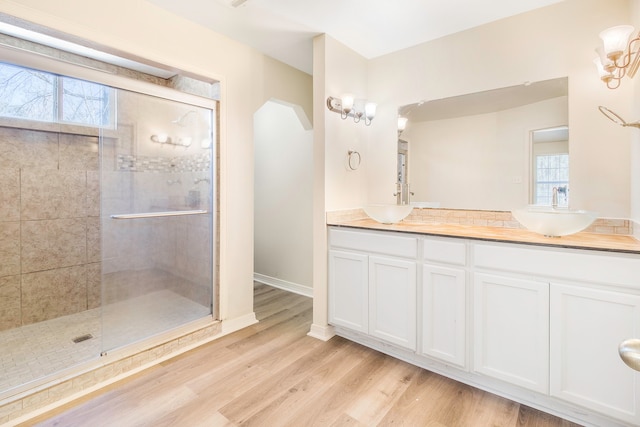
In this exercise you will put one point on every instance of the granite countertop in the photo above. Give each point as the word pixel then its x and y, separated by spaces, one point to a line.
pixel 593 241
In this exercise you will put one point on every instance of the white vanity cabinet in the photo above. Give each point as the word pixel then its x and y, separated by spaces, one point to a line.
pixel 594 304
pixel 372 284
pixel 392 300
pixel 443 302
pixel 349 290
pixel 511 330
pixel 587 325
pixel 540 325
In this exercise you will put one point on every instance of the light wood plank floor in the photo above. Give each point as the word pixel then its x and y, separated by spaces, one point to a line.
pixel 273 374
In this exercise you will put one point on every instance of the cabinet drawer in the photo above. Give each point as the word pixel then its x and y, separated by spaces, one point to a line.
pixel 401 246
pixel 579 265
pixel 447 251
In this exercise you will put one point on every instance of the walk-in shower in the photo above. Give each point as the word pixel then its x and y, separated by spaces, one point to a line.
pixel 107 219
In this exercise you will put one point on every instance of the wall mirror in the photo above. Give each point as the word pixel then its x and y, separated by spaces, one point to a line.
pixel 481 150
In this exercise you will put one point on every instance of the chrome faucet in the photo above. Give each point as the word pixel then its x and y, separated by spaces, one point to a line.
pixel 403 194
pixel 554 198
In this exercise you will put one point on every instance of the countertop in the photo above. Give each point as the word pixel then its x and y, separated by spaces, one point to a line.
pixel 592 241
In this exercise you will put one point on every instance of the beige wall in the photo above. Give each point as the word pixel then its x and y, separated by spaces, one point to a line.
pixel 345 72
pixel 337 70
pixel 135 28
pixel 551 42
pixel 283 198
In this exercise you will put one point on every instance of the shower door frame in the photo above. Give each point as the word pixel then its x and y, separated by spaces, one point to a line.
pixel 28 59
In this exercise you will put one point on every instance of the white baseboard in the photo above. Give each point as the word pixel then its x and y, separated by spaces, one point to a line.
pixel 237 323
pixel 284 285
pixel 324 333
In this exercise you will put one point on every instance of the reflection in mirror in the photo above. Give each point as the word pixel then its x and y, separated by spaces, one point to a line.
pixel 475 151
pixel 402 183
pixel 550 167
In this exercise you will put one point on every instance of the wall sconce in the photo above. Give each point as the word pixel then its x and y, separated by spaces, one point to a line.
pixel 616 57
pixel 347 106
pixel 166 140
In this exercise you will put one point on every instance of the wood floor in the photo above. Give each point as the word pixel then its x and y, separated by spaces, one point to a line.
pixel 273 374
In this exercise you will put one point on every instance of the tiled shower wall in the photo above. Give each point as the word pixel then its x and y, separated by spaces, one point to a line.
pixel 50 230
pixel 49 225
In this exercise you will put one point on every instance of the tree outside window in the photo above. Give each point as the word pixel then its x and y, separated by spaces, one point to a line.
pixel 36 95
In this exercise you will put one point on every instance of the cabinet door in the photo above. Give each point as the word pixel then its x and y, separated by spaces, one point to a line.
pixel 587 325
pixel 443 307
pixel 511 330
pixel 348 290
pixel 392 300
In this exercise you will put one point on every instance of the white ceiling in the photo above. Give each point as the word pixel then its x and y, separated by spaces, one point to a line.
pixel 284 29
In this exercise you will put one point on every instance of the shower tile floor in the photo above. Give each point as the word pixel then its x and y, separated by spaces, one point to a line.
pixel 34 351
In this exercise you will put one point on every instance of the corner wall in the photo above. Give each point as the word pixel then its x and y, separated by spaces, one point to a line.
pixel 337 70
pixel 283 198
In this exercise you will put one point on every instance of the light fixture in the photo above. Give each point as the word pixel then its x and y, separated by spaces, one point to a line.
pixel 164 139
pixel 617 56
pixel 348 106
pixel 402 124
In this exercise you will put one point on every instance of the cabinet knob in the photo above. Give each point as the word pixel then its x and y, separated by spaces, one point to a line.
pixel 630 353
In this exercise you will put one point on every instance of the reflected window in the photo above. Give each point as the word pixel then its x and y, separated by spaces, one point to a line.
pixel 552 171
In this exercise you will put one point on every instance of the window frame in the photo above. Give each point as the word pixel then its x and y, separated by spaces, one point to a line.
pixel 58 104
pixel 558 183
pixel 36 61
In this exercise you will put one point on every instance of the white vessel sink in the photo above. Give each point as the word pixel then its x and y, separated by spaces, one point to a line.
pixel 554 222
pixel 425 204
pixel 388 214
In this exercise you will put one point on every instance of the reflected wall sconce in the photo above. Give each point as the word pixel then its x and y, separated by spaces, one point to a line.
pixel 347 106
pixel 617 56
pixel 402 124
pixel 166 140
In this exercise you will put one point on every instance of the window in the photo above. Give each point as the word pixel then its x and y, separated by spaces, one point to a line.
pixel 552 171
pixel 37 95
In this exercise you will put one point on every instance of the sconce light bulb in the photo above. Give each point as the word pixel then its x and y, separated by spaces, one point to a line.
pixel 162 138
pixel 402 123
pixel 347 103
pixel 615 40
pixel 370 110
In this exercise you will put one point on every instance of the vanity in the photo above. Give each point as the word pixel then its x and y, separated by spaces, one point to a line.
pixel 534 319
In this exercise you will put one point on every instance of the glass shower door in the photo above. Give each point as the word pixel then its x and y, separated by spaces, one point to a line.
pixel 156 218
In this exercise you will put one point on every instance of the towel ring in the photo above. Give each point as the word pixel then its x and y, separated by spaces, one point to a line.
pixel 352 154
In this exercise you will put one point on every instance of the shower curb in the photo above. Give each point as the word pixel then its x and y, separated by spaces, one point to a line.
pixel 47 397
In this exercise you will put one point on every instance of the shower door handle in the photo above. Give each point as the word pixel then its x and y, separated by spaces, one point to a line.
pixel 158 214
